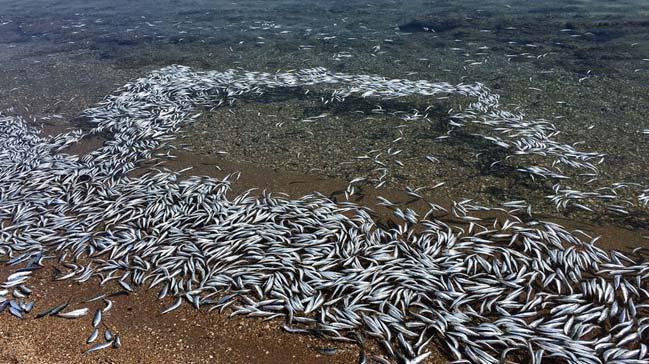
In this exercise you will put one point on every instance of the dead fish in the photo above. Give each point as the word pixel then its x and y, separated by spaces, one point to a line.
pixel 173 306
pixel 99 347
pixel 18 275
pixel 108 336
pixel 109 305
pixel 362 358
pixel 419 358
pixel 74 314
pixel 53 311
pixel 97 319
pixel 117 343
pixel 27 307
pixel 125 285
pixel 95 298
pixel 16 312
pixel 24 289
pixel 93 336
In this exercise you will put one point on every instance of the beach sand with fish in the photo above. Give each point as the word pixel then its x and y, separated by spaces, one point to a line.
pixel 577 73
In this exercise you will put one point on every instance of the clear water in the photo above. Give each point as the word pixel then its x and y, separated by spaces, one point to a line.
pixel 581 65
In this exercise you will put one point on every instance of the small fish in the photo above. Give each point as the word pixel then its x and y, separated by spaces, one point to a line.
pixel 99 347
pixel 109 305
pixel 362 358
pixel 419 359
pixel 27 307
pixel 74 314
pixel 52 311
pixel 97 319
pixel 58 309
pixel 108 336
pixel 117 343
pixel 93 336
pixel 18 275
pixel 24 289
pixel 16 312
pixel 126 286
pixel 18 294
pixel 95 298
pixel 173 306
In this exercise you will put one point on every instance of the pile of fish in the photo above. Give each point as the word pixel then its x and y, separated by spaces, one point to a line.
pixel 506 287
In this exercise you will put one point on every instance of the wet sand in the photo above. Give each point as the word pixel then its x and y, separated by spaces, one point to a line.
pixel 185 335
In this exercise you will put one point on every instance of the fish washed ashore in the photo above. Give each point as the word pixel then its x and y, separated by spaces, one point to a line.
pixel 511 287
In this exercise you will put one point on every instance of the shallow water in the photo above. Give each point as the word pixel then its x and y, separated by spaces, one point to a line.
pixel 578 65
